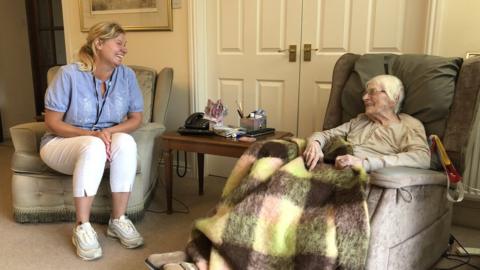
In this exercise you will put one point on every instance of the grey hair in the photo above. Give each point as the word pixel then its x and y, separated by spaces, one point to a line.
pixel 393 88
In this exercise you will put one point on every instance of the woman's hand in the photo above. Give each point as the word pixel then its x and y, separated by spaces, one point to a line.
pixel 345 161
pixel 313 154
pixel 106 137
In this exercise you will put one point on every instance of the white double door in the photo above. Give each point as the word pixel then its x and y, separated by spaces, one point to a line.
pixel 248 56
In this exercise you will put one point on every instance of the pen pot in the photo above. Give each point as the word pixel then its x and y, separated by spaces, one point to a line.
pixel 253 123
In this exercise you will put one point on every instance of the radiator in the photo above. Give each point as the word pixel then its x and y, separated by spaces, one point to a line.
pixel 471 175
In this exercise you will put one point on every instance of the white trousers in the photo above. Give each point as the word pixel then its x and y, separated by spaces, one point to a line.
pixel 85 158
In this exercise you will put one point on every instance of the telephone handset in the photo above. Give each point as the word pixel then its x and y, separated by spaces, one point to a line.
pixel 196 125
pixel 196 121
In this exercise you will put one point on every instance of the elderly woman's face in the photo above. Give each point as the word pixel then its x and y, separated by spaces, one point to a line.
pixel 377 101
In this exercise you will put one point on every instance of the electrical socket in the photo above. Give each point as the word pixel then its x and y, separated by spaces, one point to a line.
pixel 472 251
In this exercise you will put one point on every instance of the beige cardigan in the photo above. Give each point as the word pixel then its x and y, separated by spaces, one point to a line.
pixel 400 144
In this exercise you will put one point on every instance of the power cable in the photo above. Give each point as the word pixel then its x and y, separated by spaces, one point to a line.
pixel 463 259
pixel 186 209
pixel 178 164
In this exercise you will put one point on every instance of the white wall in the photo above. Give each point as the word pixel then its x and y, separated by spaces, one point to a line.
pixel 16 83
pixel 459 28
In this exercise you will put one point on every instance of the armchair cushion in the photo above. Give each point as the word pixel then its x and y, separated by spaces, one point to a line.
pixel 401 177
pixel 146 81
pixel 26 137
pixel 432 79
pixel 26 140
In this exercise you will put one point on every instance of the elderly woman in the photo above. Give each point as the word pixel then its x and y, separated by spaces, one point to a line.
pixel 381 137
pixel 279 218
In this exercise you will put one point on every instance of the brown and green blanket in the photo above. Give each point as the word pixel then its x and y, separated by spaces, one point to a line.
pixel 275 214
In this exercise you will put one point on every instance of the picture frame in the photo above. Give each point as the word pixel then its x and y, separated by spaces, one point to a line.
pixel 472 54
pixel 132 15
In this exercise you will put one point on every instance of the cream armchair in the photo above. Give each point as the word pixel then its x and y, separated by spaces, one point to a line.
pixel 40 194
pixel 410 216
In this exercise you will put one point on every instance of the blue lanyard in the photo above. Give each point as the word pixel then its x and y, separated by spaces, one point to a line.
pixel 100 109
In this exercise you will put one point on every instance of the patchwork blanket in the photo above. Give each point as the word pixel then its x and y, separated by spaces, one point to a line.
pixel 275 214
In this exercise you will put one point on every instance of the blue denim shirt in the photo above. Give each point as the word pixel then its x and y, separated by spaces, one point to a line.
pixel 78 94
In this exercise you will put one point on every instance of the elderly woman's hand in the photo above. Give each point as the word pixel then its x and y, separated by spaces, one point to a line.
pixel 342 162
pixel 313 154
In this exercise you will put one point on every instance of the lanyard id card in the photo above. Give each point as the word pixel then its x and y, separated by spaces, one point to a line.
pixel 100 108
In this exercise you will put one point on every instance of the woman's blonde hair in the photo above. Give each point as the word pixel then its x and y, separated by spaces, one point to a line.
pixel 101 31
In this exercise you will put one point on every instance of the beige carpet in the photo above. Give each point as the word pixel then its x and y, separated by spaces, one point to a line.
pixel 48 246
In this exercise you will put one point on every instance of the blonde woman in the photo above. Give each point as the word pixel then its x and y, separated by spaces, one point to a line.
pixel 90 107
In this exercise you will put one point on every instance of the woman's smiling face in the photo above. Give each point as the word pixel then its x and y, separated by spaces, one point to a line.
pixel 112 51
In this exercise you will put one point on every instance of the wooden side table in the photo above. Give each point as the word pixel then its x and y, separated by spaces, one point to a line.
pixel 213 145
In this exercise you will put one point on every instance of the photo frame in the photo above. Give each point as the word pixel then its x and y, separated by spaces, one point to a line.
pixel 132 15
pixel 472 54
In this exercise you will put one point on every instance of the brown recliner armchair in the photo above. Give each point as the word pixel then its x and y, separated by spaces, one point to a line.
pixel 410 216
pixel 41 194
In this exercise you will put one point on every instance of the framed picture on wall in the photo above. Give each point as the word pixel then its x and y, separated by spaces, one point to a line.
pixel 133 15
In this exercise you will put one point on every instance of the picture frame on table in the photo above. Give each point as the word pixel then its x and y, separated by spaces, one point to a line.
pixel 132 15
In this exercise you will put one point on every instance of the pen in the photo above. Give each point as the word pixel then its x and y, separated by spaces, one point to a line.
pixel 240 108
pixel 240 113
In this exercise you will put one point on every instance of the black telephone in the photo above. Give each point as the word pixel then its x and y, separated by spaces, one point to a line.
pixel 196 125
pixel 196 121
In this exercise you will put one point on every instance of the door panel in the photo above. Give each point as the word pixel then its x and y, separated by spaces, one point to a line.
pixel 362 26
pixel 272 97
pixel 271 25
pixel 387 26
pixel 327 26
pixel 244 62
pixel 230 91
pixel 333 25
pixel 250 34
pixel 230 24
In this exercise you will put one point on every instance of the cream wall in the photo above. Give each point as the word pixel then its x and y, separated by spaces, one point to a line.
pixel 16 83
pixel 458 32
pixel 156 49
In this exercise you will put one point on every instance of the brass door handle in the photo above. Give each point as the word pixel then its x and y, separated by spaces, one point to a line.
pixel 292 53
pixel 307 52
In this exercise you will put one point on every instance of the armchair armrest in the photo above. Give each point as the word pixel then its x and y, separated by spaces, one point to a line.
pixel 145 138
pixel 26 141
pixel 399 177
pixel 26 137
pixel 147 132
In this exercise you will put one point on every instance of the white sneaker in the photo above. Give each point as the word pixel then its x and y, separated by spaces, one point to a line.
pixel 85 240
pixel 124 230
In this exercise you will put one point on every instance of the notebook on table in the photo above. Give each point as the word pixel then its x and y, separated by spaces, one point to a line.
pixel 259 132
